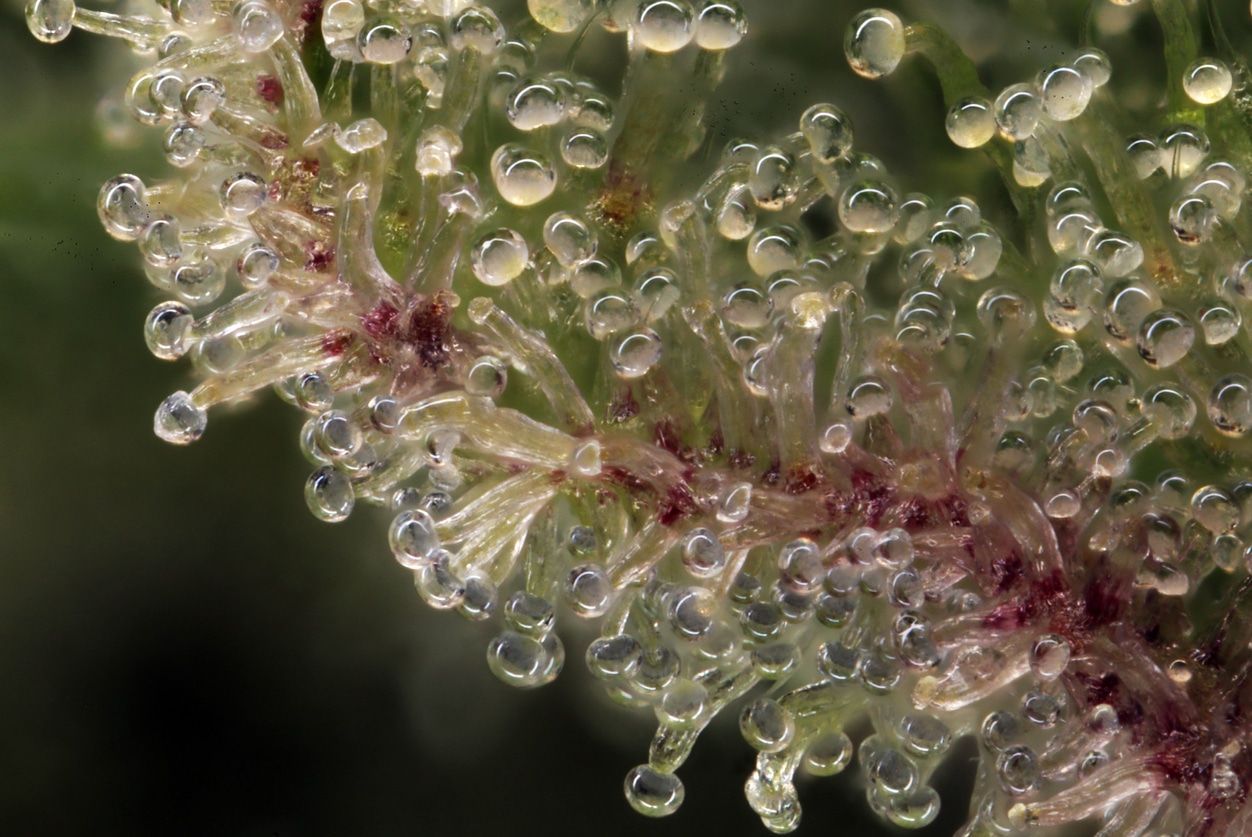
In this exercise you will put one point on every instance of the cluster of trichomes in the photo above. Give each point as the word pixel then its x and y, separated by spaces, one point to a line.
pixel 895 469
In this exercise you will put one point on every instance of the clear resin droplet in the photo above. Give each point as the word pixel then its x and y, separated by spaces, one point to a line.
pixel 499 257
pixel 971 122
pixel 179 420
pixel 664 25
pixel 50 20
pixel 653 793
pixel 522 177
pixel 874 43
pixel 329 495
pixel 1207 81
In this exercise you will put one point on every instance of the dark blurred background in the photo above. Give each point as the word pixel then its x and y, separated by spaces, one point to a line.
pixel 185 650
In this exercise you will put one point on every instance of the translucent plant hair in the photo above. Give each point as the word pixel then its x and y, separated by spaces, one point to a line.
pixel 873 468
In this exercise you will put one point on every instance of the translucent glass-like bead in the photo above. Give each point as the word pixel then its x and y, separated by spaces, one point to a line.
pixel 476 28
pixel 1017 112
pixel 166 92
pixel 584 148
pixel 166 328
pixel 828 754
pixel 487 376
pixel 745 588
pixel 655 292
pixel 257 25
pixel 1049 656
pixel 924 318
pixel 50 21
pixel 481 597
pixel 1207 81
pixel 1230 404
pixel 256 264
pixel 1018 769
pixel 800 566
pixel 613 657
pixel 664 25
pixel 736 216
pixel 1041 709
pixel 1076 286
pixel 917 808
pixel 1183 148
pixel 1219 321
pixel 828 131
pixel 886 768
pixel 593 276
pixel 746 306
pixel 582 540
pixel 413 537
pixel 385 41
pixel 535 104
pixel 702 553
pixel 683 703
pixel 735 503
pixel 1164 338
pixel 569 238
pixel 524 661
pixel 342 21
pixel 924 735
pixel 313 392
pixel 336 435
pixel 869 395
pixel 522 177
pixel 774 180
pixel 653 793
pixel 361 135
pixel 1095 63
pixel 1144 154
pixel 198 280
pixel 201 97
pixel 499 257
pixel 633 354
pixel 1192 219
pixel 776 803
pixel 874 43
pixel 839 662
pixel 720 24
pixel 657 669
pixel 329 495
pixel 159 243
pixel 588 590
pixel 766 725
pixel 183 143
pixel 242 194
pixel 970 122
pixel 999 729
pixel 772 249
pixel 1115 253
pixel 532 615
pixel 1064 92
pixel 1001 308
pixel 1215 510
pixel 122 208
pixel 560 15
pixel 869 206
pixel 917 213
pixel 179 420
pixel 761 621
pixel 691 611
pixel 436 151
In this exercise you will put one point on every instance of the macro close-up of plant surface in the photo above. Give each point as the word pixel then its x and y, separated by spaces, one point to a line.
pixel 817 388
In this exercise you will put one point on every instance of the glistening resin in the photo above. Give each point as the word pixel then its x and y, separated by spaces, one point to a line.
pixel 917 470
